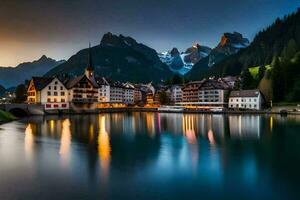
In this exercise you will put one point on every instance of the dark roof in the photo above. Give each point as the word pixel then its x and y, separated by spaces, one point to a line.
pixel 101 81
pixel 244 93
pixel 211 84
pixel 116 84
pixel 41 82
pixel 72 82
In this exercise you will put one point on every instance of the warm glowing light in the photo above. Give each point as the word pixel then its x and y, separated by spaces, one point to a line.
pixel 29 140
pixel 271 123
pixel 104 148
pixel 65 141
pixel 189 129
pixel 91 133
pixel 150 124
pixel 211 138
pixel 52 125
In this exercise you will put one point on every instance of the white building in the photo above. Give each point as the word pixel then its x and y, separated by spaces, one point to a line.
pixel 104 90
pixel 176 93
pixel 50 92
pixel 116 92
pixel 128 93
pixel 246 99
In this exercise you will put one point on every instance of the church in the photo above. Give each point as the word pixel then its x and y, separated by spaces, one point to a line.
pixel 81 92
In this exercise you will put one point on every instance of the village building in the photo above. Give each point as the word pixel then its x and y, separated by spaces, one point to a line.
pixel 213 93
pixel 190 92
pixel 116 92
pixel 128 93
pixel 104 90
pixel 50 92
pixel 206 94
pixel 83 90
pixel 246 99
pixel 176 93
pixel 137 94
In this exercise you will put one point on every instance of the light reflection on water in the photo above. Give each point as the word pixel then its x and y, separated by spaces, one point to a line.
pixel 151 155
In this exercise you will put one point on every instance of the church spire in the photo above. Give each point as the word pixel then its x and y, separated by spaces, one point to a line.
pixel 90 62
pixel 89 71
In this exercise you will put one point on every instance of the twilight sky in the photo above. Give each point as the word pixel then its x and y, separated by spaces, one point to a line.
pixel 60 28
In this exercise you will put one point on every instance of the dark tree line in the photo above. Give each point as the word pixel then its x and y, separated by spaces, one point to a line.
pixel 281 39
pixel 286 79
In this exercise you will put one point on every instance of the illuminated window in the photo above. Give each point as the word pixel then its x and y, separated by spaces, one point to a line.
pixel 49 100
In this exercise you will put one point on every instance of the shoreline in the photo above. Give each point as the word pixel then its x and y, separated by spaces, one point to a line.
pixel 154 110
pixel 188 111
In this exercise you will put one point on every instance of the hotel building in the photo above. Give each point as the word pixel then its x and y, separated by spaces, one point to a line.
pixel 246 99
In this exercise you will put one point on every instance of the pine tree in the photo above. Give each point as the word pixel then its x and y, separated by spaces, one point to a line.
pixel 261 72
pixel 21 94
pixel 277 80
pixel 290 50
pixel 247 79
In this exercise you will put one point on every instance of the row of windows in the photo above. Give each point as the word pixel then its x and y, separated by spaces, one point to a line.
pixel 209 96
pixel 55 93
pixel 55 87
pixel 31 93
pixel 243 100
pixel 209 92
pixel 55 100
pixel 244 106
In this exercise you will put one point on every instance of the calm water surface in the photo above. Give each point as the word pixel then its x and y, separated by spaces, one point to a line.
pixel 150 156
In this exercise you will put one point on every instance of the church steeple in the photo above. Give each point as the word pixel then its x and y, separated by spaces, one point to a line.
pixel 89 71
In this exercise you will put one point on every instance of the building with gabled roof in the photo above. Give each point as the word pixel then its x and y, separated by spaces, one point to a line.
pixel 207 93
pixel 50 92
pixel 246 99
pixel 104 90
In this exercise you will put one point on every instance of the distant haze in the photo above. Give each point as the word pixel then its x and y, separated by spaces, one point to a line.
pixel 60 28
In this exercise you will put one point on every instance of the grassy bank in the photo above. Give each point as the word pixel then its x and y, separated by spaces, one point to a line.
pixel 6 117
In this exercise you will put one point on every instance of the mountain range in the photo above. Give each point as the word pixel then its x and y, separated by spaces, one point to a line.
pixel 183 62
pixel 12 76
pixel 280 39
pixel 118 58
pixel 122 58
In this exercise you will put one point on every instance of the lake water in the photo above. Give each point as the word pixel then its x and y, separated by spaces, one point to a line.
pixel 151 156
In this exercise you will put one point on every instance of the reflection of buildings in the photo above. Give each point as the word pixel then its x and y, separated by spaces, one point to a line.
pixel 104 148
pixel 150 123
pixel 245 126
pixel 171 122
pixel 189 129
pixel 29 140
pixel 207 126
pixel 65 141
